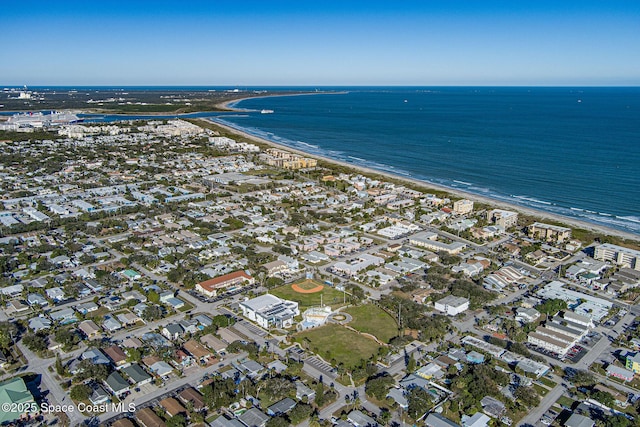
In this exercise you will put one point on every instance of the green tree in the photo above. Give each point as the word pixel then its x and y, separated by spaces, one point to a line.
pixel 411 364
pixel 59 367
pixel 551 306
pixel 419 402
pixel 618 421
pixel 80 392
pixel 527 396
pixel 134 355
pixel 177 420
pixel 603 397
pixel 8 331
pixel 279 421
pixel 36 342
pixel 67 338
pixel 320 398
pixel 300 412
pixel 379 385
pixel 153 297
pixel 152 312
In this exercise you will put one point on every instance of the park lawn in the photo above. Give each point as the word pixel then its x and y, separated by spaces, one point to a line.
pixel 373 320
pixel 335 342
pixel 330 296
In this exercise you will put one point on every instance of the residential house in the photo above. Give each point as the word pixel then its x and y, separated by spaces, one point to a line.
pixel 198 351
pixel 87 307
pixel 55 294
pixel 172 407
pixel 577 420
pixel 254 417
pixel 173 331
pixel 116 384
pixel 137 375
pixel 476 420
pixel 161 368
pixel 213 343
pixel 193 397
pixel 302 391
pixel 90 329
pixel 64 316
pixel 37 299
pixel 359 419
pixel 147 418
pixel 281 407
pixel 203 319
pixel 98 394
pixel 96 356
pixel 623 374
pixel 437 420
pixel 117 356
pixel 39 323
pixel 110 324
pixel 223 421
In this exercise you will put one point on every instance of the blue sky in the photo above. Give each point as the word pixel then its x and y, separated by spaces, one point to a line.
pixel 253 43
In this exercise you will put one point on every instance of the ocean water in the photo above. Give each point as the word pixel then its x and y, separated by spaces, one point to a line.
pixel 570 151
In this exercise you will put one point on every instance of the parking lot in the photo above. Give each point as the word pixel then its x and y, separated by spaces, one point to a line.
pixel 322 366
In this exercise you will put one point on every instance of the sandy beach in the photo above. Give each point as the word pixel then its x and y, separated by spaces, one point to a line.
pixel 425 185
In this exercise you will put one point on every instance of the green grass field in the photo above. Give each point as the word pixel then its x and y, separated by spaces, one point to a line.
pixel 330 296
pixel 373 320
pixel 334 342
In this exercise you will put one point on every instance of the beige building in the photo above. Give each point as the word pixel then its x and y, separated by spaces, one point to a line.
pixel 548 232
pixel 288 160
pixel 502 218
pixel 462 207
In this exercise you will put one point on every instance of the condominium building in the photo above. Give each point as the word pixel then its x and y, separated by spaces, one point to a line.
pixel 548 232
pixel 619 255
pixel 463 206
pixel 502 218
pixel 428 241
pixel 211 287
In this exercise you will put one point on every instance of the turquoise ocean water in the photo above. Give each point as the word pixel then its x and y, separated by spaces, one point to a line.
pixel 570 151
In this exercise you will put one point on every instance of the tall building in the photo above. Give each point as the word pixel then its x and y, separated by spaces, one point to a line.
pixel 502 218
pixel 463 206
pixel 619 255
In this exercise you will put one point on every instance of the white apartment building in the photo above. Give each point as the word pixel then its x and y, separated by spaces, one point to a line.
pixel 619 255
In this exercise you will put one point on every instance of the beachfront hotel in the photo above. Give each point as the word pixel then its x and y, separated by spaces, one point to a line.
pixel 619 255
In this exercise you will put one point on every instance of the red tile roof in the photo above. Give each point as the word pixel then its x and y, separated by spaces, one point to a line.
pixel 221 281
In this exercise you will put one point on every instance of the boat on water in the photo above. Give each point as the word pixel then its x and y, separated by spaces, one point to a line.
pixel 266 111
pixel 39 119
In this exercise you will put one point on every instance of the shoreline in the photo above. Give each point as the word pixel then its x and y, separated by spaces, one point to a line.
pixel 427 185
pixel 224 106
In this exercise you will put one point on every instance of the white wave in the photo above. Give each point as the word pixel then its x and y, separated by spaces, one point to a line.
pixel 307 144
pixel 462 182
pixel 630 218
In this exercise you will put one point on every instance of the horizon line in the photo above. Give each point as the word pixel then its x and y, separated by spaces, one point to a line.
pixel 131 85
